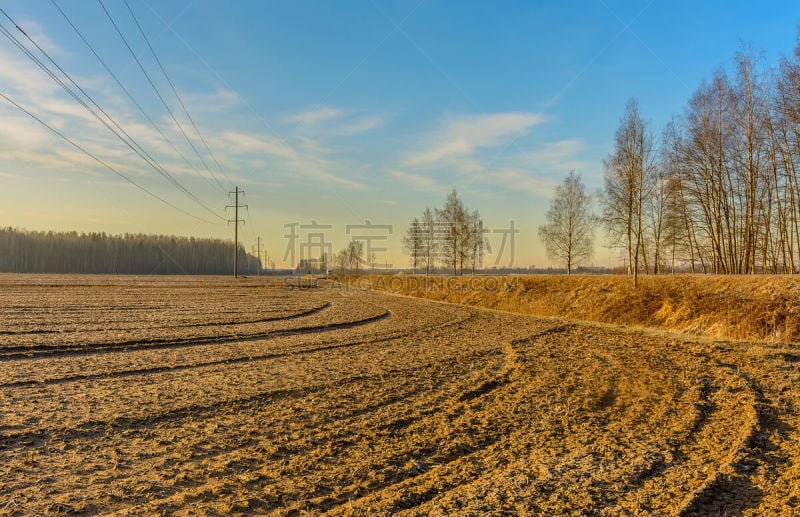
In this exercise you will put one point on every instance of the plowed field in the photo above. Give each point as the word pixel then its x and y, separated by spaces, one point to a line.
pixel 137 396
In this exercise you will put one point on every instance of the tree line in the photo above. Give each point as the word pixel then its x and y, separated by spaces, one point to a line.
pixel 450 237
pixel 72 252
pixel 717 191
pixel 351 257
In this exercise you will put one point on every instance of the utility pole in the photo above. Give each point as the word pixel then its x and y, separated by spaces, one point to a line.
pixel 258 254
pixel 236 206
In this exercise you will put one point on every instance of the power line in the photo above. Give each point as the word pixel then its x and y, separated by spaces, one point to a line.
pixel 236 206
pixel 132 144
pixel 140 152
pixel 188 115
pixel 158 94
pixel 251 229
pixel 258 253
pixel 175 91
pixel 103 163
pixel 222 80
pixel 124 89
pixel 253 112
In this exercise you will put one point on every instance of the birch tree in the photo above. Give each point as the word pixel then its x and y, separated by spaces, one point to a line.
pixel 429 242
pixel 568 233
pixel 413 242
pixel 452 219
pixel 629 177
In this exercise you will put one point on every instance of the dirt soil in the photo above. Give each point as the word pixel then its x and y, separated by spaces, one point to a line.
pixel 205 396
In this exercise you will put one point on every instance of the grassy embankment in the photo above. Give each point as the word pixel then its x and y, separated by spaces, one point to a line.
pixel 753 308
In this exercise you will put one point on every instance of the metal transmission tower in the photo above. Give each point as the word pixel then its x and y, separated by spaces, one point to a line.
pixel 258 254
pixel 236 206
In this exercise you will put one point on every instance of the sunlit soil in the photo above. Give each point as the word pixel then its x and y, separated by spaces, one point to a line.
pixel 137 396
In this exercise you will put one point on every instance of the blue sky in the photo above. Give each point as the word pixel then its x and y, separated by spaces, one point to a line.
pixel 341 112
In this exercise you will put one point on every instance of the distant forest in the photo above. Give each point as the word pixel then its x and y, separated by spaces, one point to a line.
pixel 24 251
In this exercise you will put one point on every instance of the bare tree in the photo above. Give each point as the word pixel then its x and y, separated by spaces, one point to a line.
pixel 459 235
pixel 355 254
pixel 629 174
pixel 476 239
pixel 453 219
pixel 785 159
pixel 341 260
pixel 451 234
pixel 413 242
pixel 568 233
pixel 656 206
pixel 727 196
pixel 749 157
pixel 429 244
pixel 679 224
pixel 323 262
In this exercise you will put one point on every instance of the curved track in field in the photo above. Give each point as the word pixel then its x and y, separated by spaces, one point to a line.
pixel 339 402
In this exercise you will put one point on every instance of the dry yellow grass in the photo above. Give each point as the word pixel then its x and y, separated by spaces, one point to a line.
pixel 763 308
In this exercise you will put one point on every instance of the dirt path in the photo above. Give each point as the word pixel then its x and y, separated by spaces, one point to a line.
pixel 144 397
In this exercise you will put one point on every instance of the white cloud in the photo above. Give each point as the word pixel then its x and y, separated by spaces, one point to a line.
pixel 36 32
pixel 314 161
pixel 267 184
pixel 560 155
pixel 19 130
pixel 462 152
pixel 463 136
pixel 331 122
pixel 315 115
pixel 235 142
pixel 537 171
pixel 418 181
pixel 362 124
pixel 330 177
pixel 19 75
pixel 250 158
pixel 303 159
pixel 521 179
pixel 216 102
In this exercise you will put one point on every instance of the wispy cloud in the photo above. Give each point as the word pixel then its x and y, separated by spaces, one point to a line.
pixel 477 151
pixel 240 152
pixel 37 33
pixel 362 124
pixel 300 160
pixel 480 150
pixel 236 142
pixel 18 130
pixel 329 121
pixel 418 181
pixel 313 116
pixel 19 76
pixel 330 177
pixel 319 162
pixel 536 171
pixel 522 180
pixel 463 136
pixel 558 155
pixel 217 102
